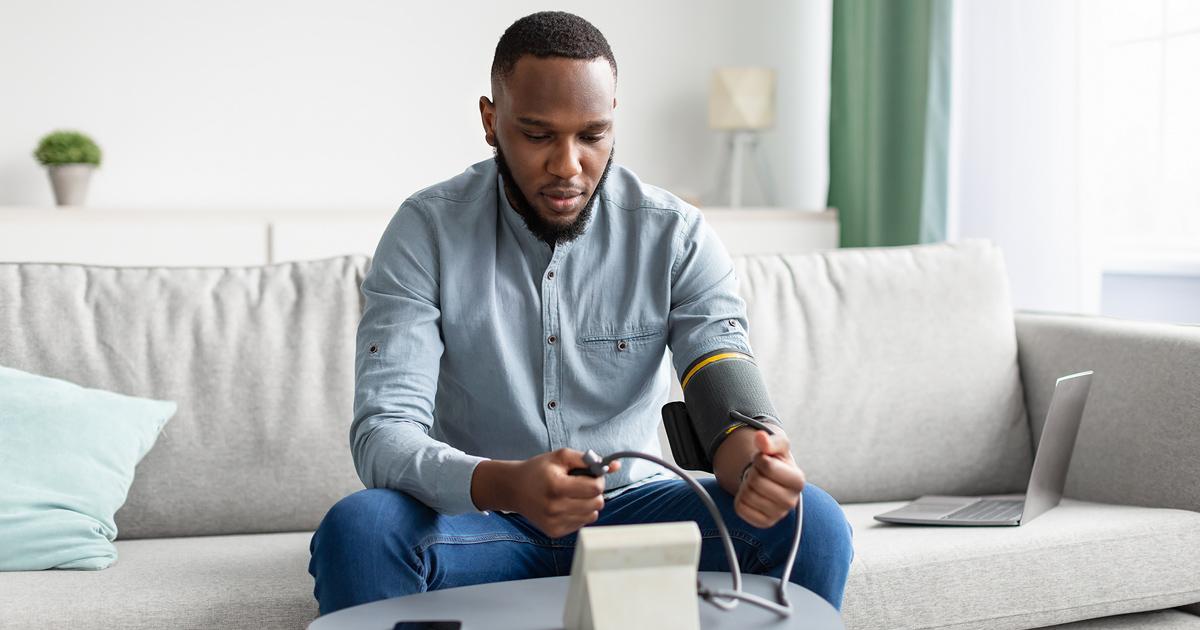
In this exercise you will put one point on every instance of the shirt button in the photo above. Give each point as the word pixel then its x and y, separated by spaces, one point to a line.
pixel 622 345
pixel 552 404
pixel 550 275
pixel 551 339
pixel 733 323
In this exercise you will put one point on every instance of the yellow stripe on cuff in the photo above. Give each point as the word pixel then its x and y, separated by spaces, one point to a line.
pixel 713 359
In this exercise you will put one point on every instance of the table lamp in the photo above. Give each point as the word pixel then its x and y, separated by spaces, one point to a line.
pixel 741 102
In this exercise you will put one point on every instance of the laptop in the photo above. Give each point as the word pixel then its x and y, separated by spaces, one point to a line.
pixel 1046 481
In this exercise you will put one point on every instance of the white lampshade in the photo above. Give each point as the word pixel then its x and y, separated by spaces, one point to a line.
pixel 742 98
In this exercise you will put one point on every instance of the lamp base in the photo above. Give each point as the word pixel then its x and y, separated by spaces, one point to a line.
pixel 742 145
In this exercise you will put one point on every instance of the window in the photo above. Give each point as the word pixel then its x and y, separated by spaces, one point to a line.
pixel 1139 132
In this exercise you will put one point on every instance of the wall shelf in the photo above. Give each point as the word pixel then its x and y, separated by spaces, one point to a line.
pixel 196 237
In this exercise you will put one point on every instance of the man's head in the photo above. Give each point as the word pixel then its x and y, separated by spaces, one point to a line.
pixel 550 119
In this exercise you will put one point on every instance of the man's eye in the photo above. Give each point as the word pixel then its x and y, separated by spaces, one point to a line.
pixel 593 138
pixel 535 138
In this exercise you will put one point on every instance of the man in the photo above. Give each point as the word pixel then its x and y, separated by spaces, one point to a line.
pixel 520 313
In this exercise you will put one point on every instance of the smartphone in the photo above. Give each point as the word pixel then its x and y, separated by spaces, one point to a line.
pixel 443 624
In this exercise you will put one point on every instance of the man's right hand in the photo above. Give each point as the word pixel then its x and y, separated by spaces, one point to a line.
pixel 541 490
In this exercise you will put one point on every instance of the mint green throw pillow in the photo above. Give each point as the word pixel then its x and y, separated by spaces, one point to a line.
pixel 67 455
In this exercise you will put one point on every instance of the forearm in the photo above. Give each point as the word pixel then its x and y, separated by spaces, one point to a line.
pixel 731 458
pixel 490 487
pixel 401 456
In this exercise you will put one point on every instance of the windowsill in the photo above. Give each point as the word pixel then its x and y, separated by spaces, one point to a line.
pixel 1153 264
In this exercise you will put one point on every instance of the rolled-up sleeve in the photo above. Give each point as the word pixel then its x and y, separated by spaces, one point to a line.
pixel 706 311
pixel 398 353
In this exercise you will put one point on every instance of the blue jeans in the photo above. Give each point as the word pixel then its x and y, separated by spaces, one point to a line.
pixel 379 543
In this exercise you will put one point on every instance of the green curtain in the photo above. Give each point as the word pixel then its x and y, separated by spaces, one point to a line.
pixel 889 120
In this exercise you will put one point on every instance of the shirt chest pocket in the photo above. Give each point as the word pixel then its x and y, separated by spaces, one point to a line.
pixel 624 342
pixel 617 364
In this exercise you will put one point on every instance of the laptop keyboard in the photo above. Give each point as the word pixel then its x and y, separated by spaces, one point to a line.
pixel 989 510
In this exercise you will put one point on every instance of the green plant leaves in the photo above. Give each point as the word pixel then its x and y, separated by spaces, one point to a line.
pixel 67 147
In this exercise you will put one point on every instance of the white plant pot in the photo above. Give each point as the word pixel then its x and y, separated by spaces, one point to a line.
pixel 70 182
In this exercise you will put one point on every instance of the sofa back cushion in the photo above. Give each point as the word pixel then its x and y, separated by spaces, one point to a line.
pixel 259 359
pixel 895 369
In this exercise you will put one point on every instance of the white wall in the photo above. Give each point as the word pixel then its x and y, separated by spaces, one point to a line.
pixel 357 104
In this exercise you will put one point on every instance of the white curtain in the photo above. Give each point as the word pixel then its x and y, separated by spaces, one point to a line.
pixel 1014 163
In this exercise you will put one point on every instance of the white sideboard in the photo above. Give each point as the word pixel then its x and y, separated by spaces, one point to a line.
pixel 252 237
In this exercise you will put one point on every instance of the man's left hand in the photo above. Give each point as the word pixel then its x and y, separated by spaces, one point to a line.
pixel 772 484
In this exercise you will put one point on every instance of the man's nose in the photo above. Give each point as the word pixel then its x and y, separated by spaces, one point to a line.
pixel 564 161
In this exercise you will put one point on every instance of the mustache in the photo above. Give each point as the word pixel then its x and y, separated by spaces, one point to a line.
pixel 546 231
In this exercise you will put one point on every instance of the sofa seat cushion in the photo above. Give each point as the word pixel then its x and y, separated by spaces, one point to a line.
pixel 1078 561
pixel 251 581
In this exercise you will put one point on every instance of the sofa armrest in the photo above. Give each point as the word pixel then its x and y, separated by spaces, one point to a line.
pixel 1139 443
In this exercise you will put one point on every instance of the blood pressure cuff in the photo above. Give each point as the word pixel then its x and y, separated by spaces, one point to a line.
pixel 722 392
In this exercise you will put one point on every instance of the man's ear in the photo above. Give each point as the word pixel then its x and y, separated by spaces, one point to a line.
pixel 487 115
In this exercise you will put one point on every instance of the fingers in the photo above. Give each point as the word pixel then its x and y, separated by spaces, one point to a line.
pixel 562 503
pixel 565 486
pixel 759 510
pixel 562 527
pixel 764 443
pixel 564 516
pixel 772 491
pixel 555 501
pixel 782 471
pixel 575 508
pixel 772 444
pixel 576 486
pixel 750 510
pixel 569 458
pixel 771 506
pixel 772 486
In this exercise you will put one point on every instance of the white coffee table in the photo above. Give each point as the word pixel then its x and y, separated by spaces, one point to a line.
pixel 538 605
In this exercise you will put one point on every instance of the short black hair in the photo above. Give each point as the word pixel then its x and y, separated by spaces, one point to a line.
pixel 549 34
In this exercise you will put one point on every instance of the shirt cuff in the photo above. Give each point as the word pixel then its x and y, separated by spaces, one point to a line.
pixel 454 484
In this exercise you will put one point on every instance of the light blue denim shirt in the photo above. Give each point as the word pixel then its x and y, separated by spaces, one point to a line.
pixel 480 341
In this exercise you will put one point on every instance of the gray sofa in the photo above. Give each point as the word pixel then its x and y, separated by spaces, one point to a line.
pixel 898 372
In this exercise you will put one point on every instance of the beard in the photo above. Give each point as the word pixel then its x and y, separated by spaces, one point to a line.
pixel 550 233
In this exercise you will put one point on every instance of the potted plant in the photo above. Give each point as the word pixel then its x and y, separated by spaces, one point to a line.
pixel 70 157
